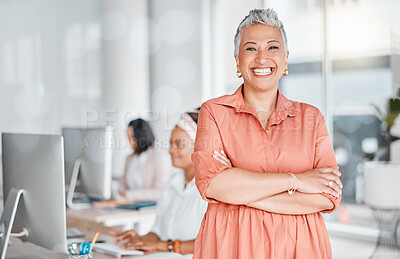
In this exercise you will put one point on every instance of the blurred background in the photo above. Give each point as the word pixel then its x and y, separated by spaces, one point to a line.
pixel 102 63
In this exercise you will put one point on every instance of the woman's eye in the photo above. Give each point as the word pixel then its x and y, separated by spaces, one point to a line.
pixel 251 49
pixel 274 47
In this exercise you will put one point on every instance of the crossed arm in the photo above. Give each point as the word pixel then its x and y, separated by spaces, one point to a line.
pixel 269 191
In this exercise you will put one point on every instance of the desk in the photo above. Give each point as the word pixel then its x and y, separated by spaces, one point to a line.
pixel 104 220
pixel 88 221
pixel 26 250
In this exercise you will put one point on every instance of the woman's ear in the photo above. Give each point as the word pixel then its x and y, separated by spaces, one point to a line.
pixel 286 58
pixel 237 62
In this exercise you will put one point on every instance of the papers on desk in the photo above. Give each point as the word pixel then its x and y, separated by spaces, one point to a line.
pixel 165 256
pixel 113 249
pixel 129 206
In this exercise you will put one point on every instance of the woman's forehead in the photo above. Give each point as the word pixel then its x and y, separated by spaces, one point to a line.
pixel 261 32
pixel 178 133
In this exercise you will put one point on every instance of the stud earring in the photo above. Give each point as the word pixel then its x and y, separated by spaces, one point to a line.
pixel 286 72
pixel 238 74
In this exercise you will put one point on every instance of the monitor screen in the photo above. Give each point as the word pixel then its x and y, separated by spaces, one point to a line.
pixel 35 165
pixel 92 148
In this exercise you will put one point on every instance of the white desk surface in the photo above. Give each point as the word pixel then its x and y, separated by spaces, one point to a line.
pixel 26 250
pixel 104 220
pixel 88 221
pixel 101 215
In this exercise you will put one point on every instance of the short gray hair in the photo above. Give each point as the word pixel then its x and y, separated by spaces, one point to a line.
pixel 260 16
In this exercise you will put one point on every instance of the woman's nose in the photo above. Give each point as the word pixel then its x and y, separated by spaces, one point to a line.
pixel 262 57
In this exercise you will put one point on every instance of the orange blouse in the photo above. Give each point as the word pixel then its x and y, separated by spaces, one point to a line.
pixel 296 140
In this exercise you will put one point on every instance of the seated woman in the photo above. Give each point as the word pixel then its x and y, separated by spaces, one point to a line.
pixel 146 170
pixel 180 209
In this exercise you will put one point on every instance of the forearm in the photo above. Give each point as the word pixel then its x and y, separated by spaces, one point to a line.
pixel 150 236
pixel 239 186
pixel 296 204
pixel 186 247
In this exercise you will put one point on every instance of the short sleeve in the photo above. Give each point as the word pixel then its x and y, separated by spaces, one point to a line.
pixel 208 140
pixel 324 155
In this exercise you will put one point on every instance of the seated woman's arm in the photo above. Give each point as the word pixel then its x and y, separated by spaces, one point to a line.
pixel 186 247
pixel 149 242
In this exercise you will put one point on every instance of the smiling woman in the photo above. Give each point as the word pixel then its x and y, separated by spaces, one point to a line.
pixel 261 62
pixel 265 164
pixel 180 208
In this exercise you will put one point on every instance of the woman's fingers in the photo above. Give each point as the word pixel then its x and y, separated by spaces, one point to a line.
pixel 332 189
pixel 332 177
pixel 320 180
pixel 338 183
pixel 125 236
pixel 335 188
pixel 333 182
pixel 331 192
pixel 222 158
pixel 128 246
pixel 140 245
pixel 329 170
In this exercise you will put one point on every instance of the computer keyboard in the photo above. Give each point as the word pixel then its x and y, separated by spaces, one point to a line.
pixel 81 199
pixel 113 249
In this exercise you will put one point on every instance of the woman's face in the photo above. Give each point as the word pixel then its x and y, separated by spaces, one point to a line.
pixel 131 138
pixel 262 57
pixel 181 149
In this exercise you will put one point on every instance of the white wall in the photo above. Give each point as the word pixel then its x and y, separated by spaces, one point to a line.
pixel 125 71
pixel 175 63
pixel 35 60
pixel 231 15
pixel 73 63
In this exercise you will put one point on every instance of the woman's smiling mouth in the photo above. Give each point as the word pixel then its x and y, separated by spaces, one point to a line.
pixel 263 71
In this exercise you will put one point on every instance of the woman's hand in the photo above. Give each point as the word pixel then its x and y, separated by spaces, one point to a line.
pixel 320 180
pixel 146 245
pixel 220 156
pixel 122 199
pixel 128 236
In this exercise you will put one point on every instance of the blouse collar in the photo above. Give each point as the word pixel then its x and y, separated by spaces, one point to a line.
pixel 284 107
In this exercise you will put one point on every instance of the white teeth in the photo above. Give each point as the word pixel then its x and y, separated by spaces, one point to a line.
pixel 263 71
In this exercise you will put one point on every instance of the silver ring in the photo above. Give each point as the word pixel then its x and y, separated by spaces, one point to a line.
pixel 330 183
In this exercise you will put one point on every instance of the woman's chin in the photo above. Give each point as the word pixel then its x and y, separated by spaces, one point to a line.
pixel 261 84
pixel 176 164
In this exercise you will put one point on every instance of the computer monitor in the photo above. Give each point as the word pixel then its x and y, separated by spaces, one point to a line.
pixel 88 163
pixel 33 190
